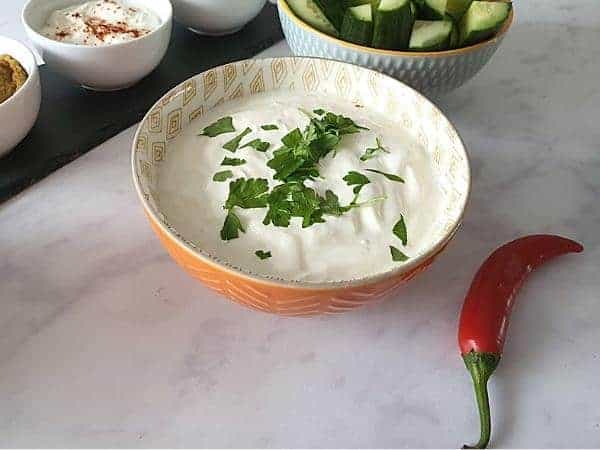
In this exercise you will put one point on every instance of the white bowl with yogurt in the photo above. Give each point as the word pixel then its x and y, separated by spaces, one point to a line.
pixel 103 45
pixel 216 17
pixel 316 263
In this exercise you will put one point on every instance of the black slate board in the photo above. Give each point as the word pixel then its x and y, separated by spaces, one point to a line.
pixel 73 120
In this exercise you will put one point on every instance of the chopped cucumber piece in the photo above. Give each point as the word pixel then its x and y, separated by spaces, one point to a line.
pixel 481 21
pixel 433 9
pixel 357 25
pixel 456 8
pixel 392 24
pixel 430 35
pixel 310 11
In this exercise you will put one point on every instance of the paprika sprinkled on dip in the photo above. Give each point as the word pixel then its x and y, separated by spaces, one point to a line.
pixel 99 23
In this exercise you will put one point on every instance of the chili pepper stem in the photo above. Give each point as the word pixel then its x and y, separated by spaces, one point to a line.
pixel 481 366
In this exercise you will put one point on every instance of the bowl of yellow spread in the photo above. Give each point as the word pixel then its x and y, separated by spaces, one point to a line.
pixel 20 92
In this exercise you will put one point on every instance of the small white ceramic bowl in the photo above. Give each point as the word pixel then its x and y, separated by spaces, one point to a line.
pixel 216 17
pixel 431 73
pixel 19 112
pixel 107 68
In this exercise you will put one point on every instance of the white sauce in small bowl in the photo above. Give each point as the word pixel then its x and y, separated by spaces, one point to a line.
pixel 352 246
pixel 100 22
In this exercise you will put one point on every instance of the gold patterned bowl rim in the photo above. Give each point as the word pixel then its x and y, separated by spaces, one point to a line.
pixel 414 263
pixel 381 52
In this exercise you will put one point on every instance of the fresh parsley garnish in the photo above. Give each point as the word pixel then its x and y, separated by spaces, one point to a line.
pixel 243 193
pixel 319 111
pixel 221 126
pixel 269 127
pixel 298 158
pixel 397 255
pixel 258 145
pixel 358 180
pixel 223 175
pixel 400 230
pixel 372 152
pixel 247 193
pixel 232 162
pixel 233 144
pixel 389 176
pixel 262 254
pixel 231 227
pixel 293 200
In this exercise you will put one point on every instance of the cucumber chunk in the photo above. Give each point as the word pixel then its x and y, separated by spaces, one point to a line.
pixel 481 21
pixel 357 25
pixel 456 8
pixel 430 35
pixel 433 9
pixel 392 24
pixel 310 11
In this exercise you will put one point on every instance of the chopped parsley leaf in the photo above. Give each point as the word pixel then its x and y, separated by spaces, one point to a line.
pixel 397 255
pixel 232 162
pixel 262 254
pixel 400 230
pixel 258 145
pixel 221 126
pixel 269 127
pixel 371 152
pixel 389 176
pixel 233 144
pixel 231 227
pixel 247 193
pixel 223 175
pixel 358 180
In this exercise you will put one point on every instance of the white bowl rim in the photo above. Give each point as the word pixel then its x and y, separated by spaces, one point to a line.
pixel 431 251
pixel 47 40
pixel 31 74
pixel 282 4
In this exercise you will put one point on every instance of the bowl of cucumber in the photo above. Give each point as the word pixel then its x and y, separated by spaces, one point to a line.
pixel 434 46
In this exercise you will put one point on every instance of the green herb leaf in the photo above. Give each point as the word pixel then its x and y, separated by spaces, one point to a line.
pixel 293 138
pixel 319 112
pixel 269 127
pixel 247 193
pixel 372 152
pixel 223 125
pixel 358 180
pixel 231 227
pixel 262 254
pixel 293 200
pixel 223 175
pixel 330 205
pixel 258 145
pixel 389 176
pixel 232 162
pixel 400 230
pixel 233 144
pixel 397 255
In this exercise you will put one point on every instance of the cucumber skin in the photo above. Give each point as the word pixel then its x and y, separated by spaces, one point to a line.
pixel 356 31
pixel 333 10
pixel 391 29
pixel 480 35
pixel 428 13
pixel 457 8
pixel 454 36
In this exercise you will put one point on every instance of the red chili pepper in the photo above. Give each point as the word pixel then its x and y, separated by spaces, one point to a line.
pixel 487 307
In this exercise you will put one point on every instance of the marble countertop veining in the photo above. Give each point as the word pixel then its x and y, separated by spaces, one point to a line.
pixel 105 342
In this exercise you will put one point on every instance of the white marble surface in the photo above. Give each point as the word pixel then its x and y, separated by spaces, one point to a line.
pixel 105 342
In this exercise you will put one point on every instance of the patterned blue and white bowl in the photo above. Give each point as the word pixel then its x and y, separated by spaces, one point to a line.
pixel 431 73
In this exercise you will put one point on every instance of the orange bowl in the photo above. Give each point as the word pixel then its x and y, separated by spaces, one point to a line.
pixel 190 100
